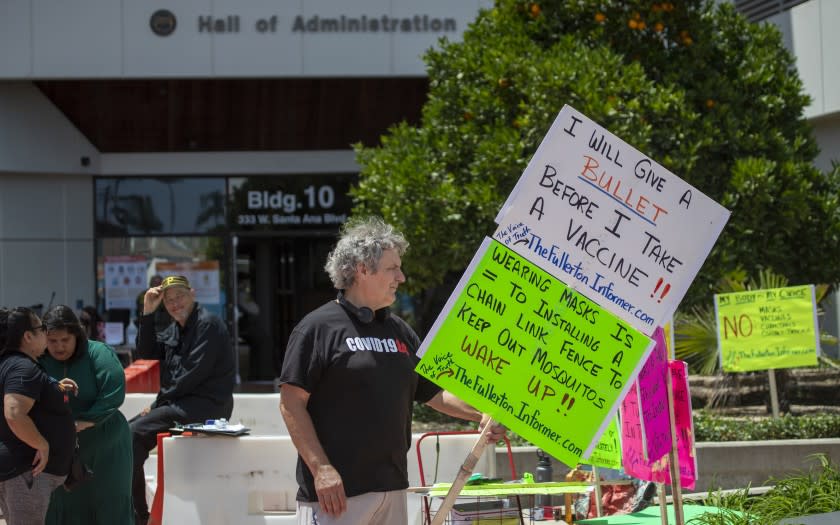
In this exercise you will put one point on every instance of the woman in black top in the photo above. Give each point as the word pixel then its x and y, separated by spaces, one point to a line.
pixel 37 434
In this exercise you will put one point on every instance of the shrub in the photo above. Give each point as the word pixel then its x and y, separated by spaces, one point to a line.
pixel 713 98
pixel 708 427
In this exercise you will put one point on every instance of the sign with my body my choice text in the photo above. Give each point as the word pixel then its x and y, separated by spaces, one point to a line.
pixel 764 329
pixel 515 342
pixel 609 221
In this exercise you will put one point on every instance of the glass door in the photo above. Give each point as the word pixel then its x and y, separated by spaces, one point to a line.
pixel 279 280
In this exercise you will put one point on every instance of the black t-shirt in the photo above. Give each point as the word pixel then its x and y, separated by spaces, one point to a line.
pixel 362 386
pixel 51 414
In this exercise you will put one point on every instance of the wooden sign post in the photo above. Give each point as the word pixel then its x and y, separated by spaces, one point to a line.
pixel 673 457
pixel 774 392
pixel 464 474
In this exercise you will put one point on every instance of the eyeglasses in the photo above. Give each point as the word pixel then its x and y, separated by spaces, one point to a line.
pixel 39 327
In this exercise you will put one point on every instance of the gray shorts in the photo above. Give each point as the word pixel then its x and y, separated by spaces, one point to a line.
pixel 372 508
pixel 24 499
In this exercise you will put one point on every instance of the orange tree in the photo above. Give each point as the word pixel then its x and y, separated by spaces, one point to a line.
pixel 712 97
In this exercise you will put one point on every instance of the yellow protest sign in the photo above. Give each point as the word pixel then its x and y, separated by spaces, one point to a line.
pixel 764 329
pixel 668 328
pixel 607 453
pixel 517 343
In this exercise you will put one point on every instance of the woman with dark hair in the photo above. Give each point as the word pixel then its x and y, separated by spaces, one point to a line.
pixel 36 435
pixel 102 431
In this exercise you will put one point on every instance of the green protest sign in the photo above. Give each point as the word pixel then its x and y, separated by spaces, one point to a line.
pixel 547 362
pixel 607 453
pixel 764 329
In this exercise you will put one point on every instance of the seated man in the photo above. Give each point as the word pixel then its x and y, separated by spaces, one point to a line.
pixel 197 373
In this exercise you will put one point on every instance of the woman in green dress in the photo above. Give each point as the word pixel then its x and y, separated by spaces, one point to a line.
pixel 102 431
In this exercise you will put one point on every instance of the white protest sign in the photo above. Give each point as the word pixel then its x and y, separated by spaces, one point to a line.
pixel 610 222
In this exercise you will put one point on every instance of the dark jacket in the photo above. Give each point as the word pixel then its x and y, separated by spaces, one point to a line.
pixel 196 361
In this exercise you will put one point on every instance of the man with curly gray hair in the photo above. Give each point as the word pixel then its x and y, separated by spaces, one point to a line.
pixel 348 387
pixel 362 242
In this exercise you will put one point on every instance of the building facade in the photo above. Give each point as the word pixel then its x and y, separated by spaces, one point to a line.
pixel 808 31
pixel 214 138
pixel 206 137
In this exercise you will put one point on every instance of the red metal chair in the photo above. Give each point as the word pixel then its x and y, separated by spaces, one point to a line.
pixel 426 499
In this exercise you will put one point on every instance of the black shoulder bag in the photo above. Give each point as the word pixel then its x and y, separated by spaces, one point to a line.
pixel 79 472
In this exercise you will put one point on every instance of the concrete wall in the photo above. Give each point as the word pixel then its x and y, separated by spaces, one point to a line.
pixel 736 464
pixel 827 133
pixel 808 31
pixel 810 34
pixel 35 137
pixel 222 38
pixel 46 239
pixel 228 162
pixel 726 465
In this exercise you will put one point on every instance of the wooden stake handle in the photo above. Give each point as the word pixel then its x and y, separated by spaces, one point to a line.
pixel 774 393
pixel 463 475
pixel 673 456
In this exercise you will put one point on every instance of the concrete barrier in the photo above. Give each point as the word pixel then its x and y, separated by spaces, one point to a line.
pixel 256 474
pixel 259 412
pixel 215 480
pixel 142 376
pixel 251 480
pixel 134 403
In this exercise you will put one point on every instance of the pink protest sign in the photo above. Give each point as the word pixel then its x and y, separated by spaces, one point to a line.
pixel 684 424
pixel 654 399
pixel 632 443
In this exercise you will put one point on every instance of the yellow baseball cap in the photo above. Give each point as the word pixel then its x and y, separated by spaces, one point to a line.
pixel 175 280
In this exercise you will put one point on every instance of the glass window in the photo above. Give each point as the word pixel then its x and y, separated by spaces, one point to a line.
pixel 124 267
pixel 159 206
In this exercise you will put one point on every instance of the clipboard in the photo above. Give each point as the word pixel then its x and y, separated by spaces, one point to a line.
pixel 213 430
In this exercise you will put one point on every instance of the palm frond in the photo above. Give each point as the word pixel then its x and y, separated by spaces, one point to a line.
pixel 695 339
pixel 768 279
